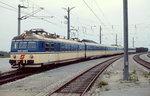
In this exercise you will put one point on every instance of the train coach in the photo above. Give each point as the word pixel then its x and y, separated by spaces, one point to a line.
pixel 141 49
pixel 37 48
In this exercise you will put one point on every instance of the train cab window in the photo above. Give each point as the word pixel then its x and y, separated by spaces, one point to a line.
pixel 14 45
pixel 31 45
pixel 22 45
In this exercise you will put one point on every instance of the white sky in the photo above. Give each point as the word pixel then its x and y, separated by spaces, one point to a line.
pixel 110 13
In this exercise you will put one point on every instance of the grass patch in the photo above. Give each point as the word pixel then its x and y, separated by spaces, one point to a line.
pixel 102 83
pixel 4 56
pixel 133 76
pixel 107 89
pixel 146 74
pixel 107 73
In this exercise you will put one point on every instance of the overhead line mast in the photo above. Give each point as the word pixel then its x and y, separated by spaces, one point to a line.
pixel 19 17
pixel 126 61
pixel 68 21
pixel 25 17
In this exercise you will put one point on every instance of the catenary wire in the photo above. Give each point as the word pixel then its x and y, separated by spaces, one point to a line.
pixel 8 8
pixel 8 5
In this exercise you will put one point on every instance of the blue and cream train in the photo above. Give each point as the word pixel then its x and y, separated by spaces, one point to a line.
pixel 37 48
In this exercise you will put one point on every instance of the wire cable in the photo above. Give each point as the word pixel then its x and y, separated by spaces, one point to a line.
pixel 41 17
pixel 8 5
pixel 102 12
pixel 8 8
pixel 93 12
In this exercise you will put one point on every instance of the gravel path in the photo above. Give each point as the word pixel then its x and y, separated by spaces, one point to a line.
pixel 43 83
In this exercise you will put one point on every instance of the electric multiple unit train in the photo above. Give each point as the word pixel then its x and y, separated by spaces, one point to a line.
pixel 37 48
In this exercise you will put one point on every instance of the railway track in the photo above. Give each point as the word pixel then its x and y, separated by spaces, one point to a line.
pixel 19 74
pixel 141 61
pixel 6 75
pixel 148 55
pixel 14 75
pixel 79 85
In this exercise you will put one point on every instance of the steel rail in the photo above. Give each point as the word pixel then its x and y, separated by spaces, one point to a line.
pixel 17 74
pixel 16 77
pixel 13 75
pixel 148 55
pixel 141 61
pixel 7 74
pixel 83 82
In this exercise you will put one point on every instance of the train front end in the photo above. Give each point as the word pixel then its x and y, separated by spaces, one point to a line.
pixel 24 54
pixel 26 49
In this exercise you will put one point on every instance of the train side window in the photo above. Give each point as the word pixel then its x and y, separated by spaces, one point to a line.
pixel 57 46
pixel 106 48
pixel 63 47
pixel 47 46
pixel 52 46
pixel 69 47
pixel 76 47
pixel 80 48
pixel 66 47
pixel 72 47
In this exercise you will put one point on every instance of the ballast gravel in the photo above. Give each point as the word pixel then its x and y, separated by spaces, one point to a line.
pixel 46 82
pixel 138 84
pixel 145 57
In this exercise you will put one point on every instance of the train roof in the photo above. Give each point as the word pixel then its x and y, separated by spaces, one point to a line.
pixel 40 34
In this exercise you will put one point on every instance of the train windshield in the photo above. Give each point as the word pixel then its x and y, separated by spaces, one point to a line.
pixel 23 45
pixel 14 45
pixel 31 45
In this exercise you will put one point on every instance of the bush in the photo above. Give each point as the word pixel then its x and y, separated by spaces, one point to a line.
pixel 133 76
pixel 146 74
pixel 102 83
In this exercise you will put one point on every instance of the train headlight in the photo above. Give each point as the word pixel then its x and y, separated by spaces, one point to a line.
pixel 31 56
pixel 14 56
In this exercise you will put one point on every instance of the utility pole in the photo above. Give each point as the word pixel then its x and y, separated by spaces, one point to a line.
pixel 100 35
pixel 133 41
pixel 126 62
pixel 19 15
pixel 135 36
pixel 19 18
pixel 25 17
pixel 68 27
pixel 116 39
pixel 68 21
